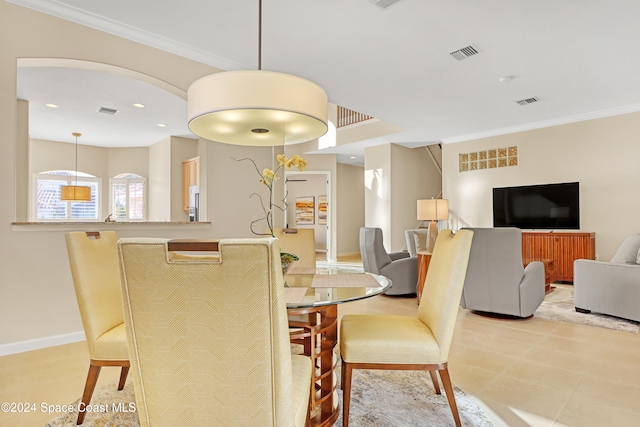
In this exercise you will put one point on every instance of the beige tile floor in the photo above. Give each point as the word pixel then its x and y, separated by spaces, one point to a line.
pixel 532 372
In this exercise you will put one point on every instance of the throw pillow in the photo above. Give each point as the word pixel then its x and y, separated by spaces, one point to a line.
pixel 627 253
pixel 420 237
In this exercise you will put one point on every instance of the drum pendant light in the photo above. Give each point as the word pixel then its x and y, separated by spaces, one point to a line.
pixel 77 193
pixel 255 107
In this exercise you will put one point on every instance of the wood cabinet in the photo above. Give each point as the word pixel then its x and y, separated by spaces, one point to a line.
pixel 190 176
pixel 562 248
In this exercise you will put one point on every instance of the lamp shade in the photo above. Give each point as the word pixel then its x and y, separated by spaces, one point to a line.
pixel 433 209
pixel 78 193
pixel 255 107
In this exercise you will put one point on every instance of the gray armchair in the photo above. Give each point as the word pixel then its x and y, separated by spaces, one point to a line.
pixel 611 288
pixel 417 240
pixel 401 269
pixel 496 280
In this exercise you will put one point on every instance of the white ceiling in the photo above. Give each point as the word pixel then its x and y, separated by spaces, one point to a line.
pixel 578 57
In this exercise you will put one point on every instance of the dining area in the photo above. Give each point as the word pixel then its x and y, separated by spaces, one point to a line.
pixel 212 332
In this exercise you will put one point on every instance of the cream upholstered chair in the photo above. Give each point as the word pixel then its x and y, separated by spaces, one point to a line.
pixel 208 336
pixel 93 258
pixel 300 242
pixel 407 342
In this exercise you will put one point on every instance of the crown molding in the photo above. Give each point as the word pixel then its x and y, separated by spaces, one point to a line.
pixel 79 16
pixel 546 123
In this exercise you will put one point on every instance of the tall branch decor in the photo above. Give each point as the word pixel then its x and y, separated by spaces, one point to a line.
pixel 267 178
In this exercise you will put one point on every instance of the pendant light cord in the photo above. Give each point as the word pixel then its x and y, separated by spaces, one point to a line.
pixel 259 34
pixel 76 161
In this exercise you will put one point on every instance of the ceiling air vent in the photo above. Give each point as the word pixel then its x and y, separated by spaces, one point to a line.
pixel 383 3
pixel 106 110
pixel 527 101
pixel 464 53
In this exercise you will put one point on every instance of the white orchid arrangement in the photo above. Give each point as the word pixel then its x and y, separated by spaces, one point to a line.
pixel 268 177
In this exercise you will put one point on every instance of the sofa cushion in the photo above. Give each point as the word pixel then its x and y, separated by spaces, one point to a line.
pixel 638 258
pixel 627 253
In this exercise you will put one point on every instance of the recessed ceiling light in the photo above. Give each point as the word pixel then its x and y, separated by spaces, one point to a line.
pixel 138 105
pixel 352 157
pixel 162 125
pixel 505 79
pixel 51 105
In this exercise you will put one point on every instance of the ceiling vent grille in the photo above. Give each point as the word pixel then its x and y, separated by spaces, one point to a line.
pixel 527 101
pixel 106 110
pixel 465 52
pixel 383 3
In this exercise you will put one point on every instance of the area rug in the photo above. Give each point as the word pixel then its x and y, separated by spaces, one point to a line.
pixel 378 398
pixel 406 398
pixel 558 306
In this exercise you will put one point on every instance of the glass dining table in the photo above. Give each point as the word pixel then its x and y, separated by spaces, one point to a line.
pixel 312 298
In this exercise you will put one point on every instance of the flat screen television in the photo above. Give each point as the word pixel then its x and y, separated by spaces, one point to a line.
pixel 543 207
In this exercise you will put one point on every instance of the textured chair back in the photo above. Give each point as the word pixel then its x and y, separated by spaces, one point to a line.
pixel 96 278
pixel 208 335
pixel 443 286
pixel 301 243
pixel 495 271
pixel 374 255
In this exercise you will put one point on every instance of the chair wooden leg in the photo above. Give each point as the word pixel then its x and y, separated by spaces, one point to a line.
pixel 346 392
pixel 434 380
pixel 448 389
pixel 123 377
pixel 90 385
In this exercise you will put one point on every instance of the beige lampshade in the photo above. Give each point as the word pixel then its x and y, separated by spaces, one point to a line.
pixel 77 193
pixel 255 107
pixel 433 209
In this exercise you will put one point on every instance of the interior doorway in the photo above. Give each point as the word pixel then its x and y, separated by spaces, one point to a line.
pixel 308 196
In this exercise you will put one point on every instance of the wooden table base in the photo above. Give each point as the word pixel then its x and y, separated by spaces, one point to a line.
pixel 316 329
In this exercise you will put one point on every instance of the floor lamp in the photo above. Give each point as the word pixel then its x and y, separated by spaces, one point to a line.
pixel 433 210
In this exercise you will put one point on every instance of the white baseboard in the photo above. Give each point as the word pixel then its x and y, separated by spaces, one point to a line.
pixel 38 343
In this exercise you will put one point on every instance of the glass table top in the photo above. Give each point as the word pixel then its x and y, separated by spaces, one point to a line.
pixel 347 288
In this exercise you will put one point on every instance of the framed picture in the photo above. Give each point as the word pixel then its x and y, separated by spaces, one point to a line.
pixel 322 210
pixel 305 210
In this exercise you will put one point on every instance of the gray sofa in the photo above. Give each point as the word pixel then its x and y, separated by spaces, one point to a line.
pixel 496 280
pixel 399 267
pixel 611 288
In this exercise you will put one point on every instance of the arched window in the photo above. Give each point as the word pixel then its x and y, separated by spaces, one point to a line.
pixel 47 205
pixel 128 193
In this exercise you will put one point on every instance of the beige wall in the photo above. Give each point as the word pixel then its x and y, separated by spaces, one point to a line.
pixel 350 205
pixel 601 154
pixel 395 179
pixel 23 180
pixel 35 283
pixel 159 182
pixel 414 177
pixel 230 184
pixel 377 190
pixel 128 160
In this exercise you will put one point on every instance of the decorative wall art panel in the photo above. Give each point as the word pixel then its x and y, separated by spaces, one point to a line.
pixel 488 159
